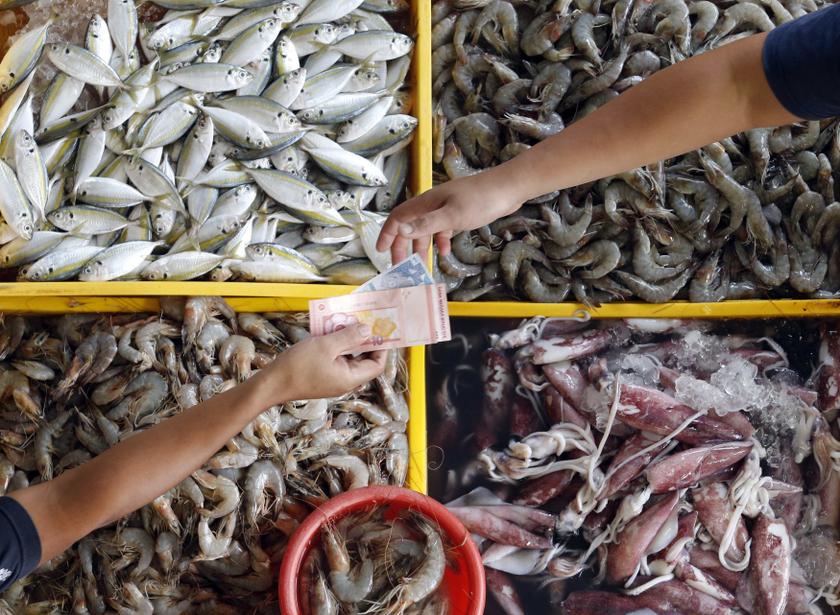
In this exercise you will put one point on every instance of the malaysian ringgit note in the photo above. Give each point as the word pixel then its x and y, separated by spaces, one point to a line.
pixel 398 317
pixel 410 272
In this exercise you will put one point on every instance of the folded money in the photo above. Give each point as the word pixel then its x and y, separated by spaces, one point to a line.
pixel 398 317
pixel 410 272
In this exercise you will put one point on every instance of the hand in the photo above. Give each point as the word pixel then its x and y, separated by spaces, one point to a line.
pixel 462 204
pixel 320 366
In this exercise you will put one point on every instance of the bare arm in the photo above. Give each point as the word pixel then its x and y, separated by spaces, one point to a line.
pixel 685 106
pixel 143 466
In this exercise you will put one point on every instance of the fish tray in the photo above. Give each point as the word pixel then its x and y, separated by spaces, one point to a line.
pixel 418 25
pixel 415 358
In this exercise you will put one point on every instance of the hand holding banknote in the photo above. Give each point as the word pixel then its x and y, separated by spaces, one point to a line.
pixel 402 307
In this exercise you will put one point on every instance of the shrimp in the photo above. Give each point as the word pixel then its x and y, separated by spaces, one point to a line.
pixel 454 162
pixel 353 586
pixel 536 289
pixel 603 255
pixel 584 37
pixel 645 264
pixel 428 576
pixel 323 602
pixel 711 281
pixel 260 328
pixel 605 79
pixel 355 470
pixel 774 275
pixel 198 311
pixel 563 233
pixel 506 99
pixel 443 30
pixel 394 402
pixel 215 545
pixel 514 254
pixel 44 443
pixel 467 252
pixel 443 57
pixel 14 328
pixel 134 543
pixel 262 475
pixel 240 454
pixel 146 339
pixel 655 293
pixel 463 27
pixel 236 355
pixel 707 16
pixel 743 14
pixel 223 492
pixel 533 128
pixel 142 398
pixel 396 458
pixel 502 15
pixel 162 505
pixel 542 32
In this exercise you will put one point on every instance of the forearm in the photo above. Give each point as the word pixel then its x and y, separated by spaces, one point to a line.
pixel 683 107
pixel 139 468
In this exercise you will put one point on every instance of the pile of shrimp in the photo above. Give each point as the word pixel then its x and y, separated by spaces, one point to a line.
pixel 367 563
pixel 754 215
pixel 74 385
pixel 648 466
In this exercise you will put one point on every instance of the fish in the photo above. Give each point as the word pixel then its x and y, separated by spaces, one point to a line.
pixel 199 130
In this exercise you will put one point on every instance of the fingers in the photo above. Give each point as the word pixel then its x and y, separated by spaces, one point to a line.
pixel 402 215
pixel 349 339
pixel 443 242
pixel 369 367
pixel 399 249
pixel 428 224
pixel 421 246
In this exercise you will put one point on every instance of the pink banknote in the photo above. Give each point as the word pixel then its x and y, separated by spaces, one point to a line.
pixel 398 317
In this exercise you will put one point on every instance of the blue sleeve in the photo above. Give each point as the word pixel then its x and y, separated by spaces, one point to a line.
pixel 20 546
pixel 802 63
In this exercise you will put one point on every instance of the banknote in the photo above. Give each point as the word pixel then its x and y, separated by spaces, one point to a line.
pixel 398 317
pixel 410 272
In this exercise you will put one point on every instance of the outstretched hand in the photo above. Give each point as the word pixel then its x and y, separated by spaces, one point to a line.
pixel 322 366
pixel 462 204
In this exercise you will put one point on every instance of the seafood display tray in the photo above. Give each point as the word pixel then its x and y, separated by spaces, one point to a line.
pixel 419 180
pixel 417 469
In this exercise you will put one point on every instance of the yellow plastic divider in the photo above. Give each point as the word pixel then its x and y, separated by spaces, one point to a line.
pixel 791 308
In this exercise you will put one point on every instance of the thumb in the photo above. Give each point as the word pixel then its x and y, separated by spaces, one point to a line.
pixel 368 368
pixel 350 338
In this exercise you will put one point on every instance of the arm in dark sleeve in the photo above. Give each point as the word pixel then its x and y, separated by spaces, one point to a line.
pixel 802 64
pixel 20 546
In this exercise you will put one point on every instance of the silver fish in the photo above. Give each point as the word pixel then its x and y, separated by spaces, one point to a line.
pixel 31 171
pixel 82 64
pixel 210 77
pixel 86 220
pixel 61 264
pixel 117 261
pixel 14 206
pixel 181 266
pixel 252 42
pixel 21 58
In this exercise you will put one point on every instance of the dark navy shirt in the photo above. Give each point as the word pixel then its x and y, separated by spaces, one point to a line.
pixel 802 63
pixel 20 546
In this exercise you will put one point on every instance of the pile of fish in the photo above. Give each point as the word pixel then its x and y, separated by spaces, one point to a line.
pixel 73 386
pixel 242 139
pixel 643 464
pixel 366 563
pixel 753 215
